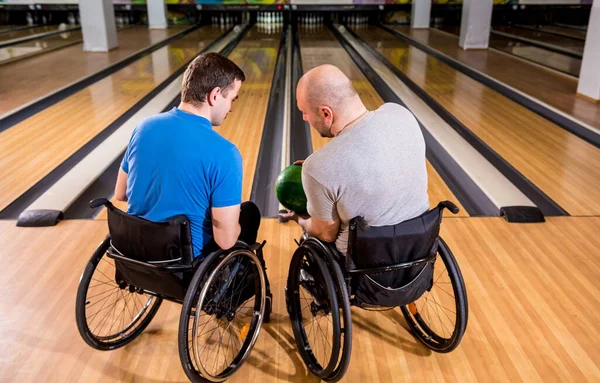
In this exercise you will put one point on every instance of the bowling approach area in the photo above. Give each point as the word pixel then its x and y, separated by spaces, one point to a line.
pixel 510 114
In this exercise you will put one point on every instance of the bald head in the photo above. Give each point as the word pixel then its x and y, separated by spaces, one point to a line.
pixel 327 100
pixel 326 85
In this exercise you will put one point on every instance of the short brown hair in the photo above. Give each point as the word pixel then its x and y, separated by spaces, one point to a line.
pixel 206 72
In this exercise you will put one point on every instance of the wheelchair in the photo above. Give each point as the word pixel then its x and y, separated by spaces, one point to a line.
pixel 407 265
pixel 225 297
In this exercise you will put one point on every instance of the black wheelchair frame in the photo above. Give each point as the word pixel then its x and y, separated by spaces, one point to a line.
pixel 332 282
pixel 205 288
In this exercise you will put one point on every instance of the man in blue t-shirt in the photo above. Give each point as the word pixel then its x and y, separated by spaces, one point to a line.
pixel 177 164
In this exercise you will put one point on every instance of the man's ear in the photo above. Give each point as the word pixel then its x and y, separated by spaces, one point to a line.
pixel 326 112
pixel 211 98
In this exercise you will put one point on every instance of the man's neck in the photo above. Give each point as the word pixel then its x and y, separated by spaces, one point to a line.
pixel 201 111
pixel 354 116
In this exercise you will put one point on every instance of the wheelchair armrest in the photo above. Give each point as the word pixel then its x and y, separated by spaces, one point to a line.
pixel 360 222
pixel 177 220
pixel 449 205
pixel 99 202
pixel 256 247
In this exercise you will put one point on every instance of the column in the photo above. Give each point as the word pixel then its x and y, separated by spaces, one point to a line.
pixel 589 76
pixel 157 14
pixel 475 24
pixel 98 25
pixel 421 13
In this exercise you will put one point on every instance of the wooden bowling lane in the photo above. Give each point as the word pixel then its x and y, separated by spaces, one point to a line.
pixel 546 38
pixel 563 63
pixel 33 148
pixel 39 46
pixel 18 34
pixel 6 28
pixel 561 30
pixel 256 55
pixel 545 85
pixel 34 77
pixel 555 160
pixel 566 64
pixel 533 293
pixel 319 46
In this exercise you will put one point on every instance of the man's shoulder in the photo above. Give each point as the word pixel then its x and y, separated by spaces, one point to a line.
pixel 319 164
pixel 390 107
pixel 154 123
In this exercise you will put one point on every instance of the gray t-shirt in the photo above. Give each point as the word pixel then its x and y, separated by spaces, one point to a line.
pixel 375 169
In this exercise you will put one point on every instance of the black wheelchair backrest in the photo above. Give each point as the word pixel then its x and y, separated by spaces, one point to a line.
pixel 393 265
pixel 411 240
pixel 146 241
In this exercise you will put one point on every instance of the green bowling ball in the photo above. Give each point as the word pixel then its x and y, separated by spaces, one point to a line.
pixel 289 191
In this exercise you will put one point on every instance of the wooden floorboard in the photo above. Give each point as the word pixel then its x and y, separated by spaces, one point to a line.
pixel 318 47
pixel 533 289
pixel 522 50
pixel 545 85
pixel 553 159
pixel 564 31
pixel 546 38
pixel 56 69
pixel 19 34
pixel 39 46
pixel 33 148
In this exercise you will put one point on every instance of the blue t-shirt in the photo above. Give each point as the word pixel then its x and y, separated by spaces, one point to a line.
pixel 177 164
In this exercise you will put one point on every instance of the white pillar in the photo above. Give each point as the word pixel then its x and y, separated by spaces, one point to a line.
pixel 157 14
pixel 475 24
pixel 421 14
pixel 589 77
pixel 98 25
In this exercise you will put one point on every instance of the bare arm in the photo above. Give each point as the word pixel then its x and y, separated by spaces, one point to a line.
pixel 121 186
pixel 324 230
pixel 226 227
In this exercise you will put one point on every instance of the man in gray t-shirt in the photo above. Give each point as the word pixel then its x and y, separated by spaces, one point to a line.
pixel 374 168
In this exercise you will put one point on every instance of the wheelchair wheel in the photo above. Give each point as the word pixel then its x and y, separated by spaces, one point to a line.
pixel 439 317
pixel 109 314
pixel 314 312
pixel 221 316
pixel 344 304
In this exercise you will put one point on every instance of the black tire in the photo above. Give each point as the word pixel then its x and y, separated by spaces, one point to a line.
pixel 310 285
pixel 345 313
pixel 235 290
pixel 141 311
pixel 441 338
pixel 268 308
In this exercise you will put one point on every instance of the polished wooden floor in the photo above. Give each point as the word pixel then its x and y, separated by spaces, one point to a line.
pixel 57 69
pixel 546 38
pixel 533 289
pixel 546 85
pixel 319 46
pixel 57 132
pixel 552 158
pixel 533 294
pixel 39 46
pixel 564 31
pixel 19 34
pixel 558 61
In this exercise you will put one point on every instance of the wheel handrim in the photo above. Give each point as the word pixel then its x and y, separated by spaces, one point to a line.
pixel 117 306
pixel 242 335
